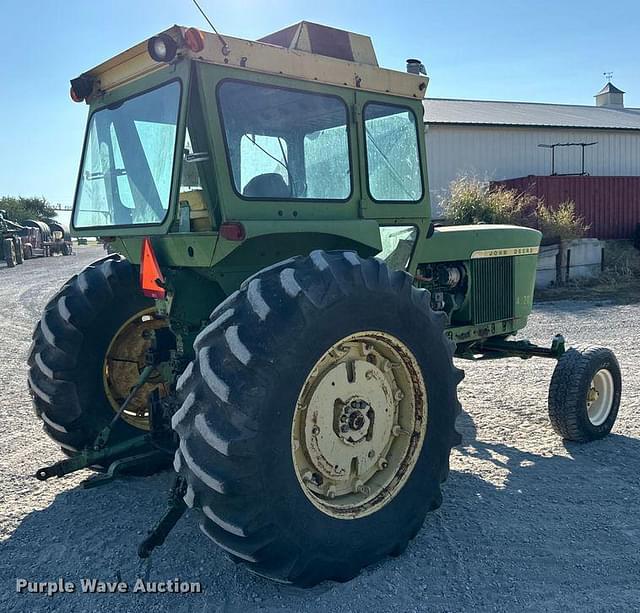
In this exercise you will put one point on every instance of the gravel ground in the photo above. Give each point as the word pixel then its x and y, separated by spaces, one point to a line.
pixel 528 522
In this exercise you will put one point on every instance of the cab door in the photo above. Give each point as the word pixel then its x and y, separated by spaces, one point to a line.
pixel 391 157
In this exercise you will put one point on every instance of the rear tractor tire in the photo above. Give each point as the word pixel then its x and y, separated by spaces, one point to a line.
pixel 318 417
pixel 584 395
pixel 87 353
pixel 9 252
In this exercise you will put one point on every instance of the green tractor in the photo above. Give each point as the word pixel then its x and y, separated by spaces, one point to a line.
pixel 278 315
pixel 10 241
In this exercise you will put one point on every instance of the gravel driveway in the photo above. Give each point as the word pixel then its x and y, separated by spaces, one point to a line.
pixel 528 523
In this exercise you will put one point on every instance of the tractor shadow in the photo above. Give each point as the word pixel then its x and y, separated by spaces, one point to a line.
pixel 538 532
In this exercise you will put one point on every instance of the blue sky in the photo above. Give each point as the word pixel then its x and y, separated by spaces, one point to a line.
pixel 544 51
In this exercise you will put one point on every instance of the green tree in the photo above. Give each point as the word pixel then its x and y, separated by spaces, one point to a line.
pixel 20 209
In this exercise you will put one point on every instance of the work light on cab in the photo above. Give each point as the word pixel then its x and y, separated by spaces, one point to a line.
pixel 162 48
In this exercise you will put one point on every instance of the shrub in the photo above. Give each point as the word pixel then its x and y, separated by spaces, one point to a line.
pixel 470 201
pixel 559 223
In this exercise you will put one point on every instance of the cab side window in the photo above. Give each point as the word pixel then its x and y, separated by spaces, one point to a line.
pixel 285 144
pixel 393 156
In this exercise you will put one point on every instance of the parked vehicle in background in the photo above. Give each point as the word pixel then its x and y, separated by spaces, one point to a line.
pixel 10 241
pixel 34 238
pixel 60 241
pixel 35 234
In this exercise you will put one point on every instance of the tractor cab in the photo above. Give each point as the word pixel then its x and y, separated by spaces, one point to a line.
pixel 191 131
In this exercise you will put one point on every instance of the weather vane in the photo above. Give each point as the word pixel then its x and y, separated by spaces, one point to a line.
pixel 608 76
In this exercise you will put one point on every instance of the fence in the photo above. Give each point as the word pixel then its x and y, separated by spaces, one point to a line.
pixel 609 205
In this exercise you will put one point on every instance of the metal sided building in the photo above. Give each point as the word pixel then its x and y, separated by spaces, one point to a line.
pixel 501 140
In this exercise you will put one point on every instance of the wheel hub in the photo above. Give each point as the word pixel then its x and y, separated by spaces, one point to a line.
pixel 125 361
pixel 355 421
pixel 359 424
pixel 600 397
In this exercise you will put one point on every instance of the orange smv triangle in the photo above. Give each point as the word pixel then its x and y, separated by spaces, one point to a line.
pixel 150 272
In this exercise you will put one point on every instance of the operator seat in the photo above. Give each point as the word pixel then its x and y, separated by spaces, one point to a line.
pixel 267 185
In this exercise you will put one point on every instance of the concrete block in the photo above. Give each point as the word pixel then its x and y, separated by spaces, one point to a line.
pixel 580 258
pixel 547 268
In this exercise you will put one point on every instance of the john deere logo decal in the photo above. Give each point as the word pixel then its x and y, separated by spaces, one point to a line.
pixel 501 253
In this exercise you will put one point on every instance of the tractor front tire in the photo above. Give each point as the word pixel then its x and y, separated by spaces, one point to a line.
pixel 67 357
pixel 584 395
pixel 318 418
pixel 9 252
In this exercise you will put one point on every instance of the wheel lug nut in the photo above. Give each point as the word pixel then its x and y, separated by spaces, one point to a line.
pixel 382 463
pixel 397 430
pixel 362 489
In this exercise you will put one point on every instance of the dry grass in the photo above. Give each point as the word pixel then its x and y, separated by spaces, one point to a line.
pixel 619 282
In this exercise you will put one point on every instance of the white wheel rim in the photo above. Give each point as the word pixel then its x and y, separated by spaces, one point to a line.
pixel 600 397
pixel 349 470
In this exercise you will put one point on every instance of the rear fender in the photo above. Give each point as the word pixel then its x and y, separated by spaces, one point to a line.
pixel 265 243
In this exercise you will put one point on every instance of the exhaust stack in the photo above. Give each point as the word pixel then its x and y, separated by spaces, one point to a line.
pixel 415 66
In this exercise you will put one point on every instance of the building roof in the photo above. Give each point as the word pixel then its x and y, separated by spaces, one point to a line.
pixel 610 88
pixel 485 112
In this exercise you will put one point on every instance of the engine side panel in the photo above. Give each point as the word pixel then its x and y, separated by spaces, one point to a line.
pixel 482 277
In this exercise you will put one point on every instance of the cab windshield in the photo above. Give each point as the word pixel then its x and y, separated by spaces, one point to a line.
pixel 128 161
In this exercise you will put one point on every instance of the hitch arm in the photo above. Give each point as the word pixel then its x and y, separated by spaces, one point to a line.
pixel 103 436
pixel 495 348
pixel 90 457
pixel 176 507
